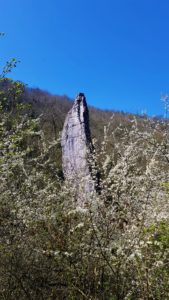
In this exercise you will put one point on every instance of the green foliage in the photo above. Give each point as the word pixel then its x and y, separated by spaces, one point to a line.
pixel 159 236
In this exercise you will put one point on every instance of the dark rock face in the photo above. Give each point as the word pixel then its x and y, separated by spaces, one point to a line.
pixel 77 146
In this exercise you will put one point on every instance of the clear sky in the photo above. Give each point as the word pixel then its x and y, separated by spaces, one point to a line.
pixel 115 51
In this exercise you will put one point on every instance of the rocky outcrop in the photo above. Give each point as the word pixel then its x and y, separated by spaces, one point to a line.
pixel 77 147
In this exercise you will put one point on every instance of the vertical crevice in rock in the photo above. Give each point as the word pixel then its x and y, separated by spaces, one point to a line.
pixel 77 148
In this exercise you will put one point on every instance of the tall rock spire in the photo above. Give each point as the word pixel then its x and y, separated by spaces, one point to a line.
pixel 77 146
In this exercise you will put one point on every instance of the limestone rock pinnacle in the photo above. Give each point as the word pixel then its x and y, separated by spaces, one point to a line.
pixel 77 146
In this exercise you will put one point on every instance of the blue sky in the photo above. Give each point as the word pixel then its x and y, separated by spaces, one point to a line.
pixel 115 51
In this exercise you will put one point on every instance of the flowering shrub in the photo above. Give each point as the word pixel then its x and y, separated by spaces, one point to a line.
pixel 114 246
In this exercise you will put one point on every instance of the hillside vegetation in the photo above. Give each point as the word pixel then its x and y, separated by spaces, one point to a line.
pixel 52 110
pixel 116 246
